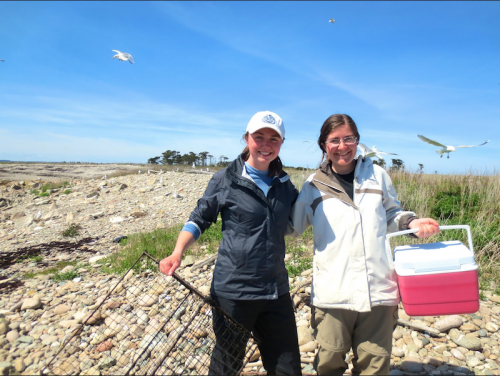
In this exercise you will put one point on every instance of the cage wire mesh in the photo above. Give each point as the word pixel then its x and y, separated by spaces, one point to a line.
pixel 154 324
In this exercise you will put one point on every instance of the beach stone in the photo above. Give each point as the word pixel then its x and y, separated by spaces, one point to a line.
pixel 93 371
pixel 472 361
pixel 457 354
pixel 305 335
pixel 23 222
pixel 148 300
pixel 62 308
pixel 17 215
pixel 309 346
pixel 396 351
pixel 94 259
pixel 403 315
pixel 12 336
pixel 393 372
pixel 461 340
pixel 482 333
pixel 397 334
pixel 104 346
pixel 19 365
pixel 5 367
pixel 4 326
pixel 26 339
pixel 448 323
pixel 491 327
pixel 413 365
pixel 494 298
pixel 106 362
pixel 468 327
pixel 31 303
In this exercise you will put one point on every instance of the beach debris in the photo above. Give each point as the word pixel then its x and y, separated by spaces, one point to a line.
pixel 373 152
pixel 123 56
pixel 118 239
pixel 447 148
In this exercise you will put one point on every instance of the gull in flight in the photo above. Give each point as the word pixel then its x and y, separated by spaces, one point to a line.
pixel 123 56
pixel 447 148
pixel 332 20
pixel 373 152
pixel 2 60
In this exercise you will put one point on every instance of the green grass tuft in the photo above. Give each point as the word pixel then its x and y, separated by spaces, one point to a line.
pixel 58 277
pixel 72 231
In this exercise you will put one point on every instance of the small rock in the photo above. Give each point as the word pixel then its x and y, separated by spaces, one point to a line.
pixel 309 346
pixel 491 327
pixel 304 334
pixel 31 303
pixel 413 365
pixel 448 323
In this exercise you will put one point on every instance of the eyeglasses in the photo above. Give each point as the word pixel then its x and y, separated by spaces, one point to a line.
pixel 348 141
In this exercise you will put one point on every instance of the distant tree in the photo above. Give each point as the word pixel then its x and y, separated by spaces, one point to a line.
pixel 223 161
pixel 170 157
pixel 210 156
pixel 397 164
pixel 380 162
pixel 189 159
pixel 203 157
pixel 153 160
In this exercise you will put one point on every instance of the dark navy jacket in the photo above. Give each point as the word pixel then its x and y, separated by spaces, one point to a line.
pixel 251 262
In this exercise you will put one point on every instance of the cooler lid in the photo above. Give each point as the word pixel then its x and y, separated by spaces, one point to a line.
pixel 433 257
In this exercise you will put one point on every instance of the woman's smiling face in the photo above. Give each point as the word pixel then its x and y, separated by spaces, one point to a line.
pixel 342 156
pixel 264 146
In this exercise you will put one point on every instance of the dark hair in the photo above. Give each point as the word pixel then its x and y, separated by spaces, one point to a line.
pixel 332 123
pixel 275 167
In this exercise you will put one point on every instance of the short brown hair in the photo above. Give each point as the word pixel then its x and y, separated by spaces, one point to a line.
pixel 332 123
pixel 275 167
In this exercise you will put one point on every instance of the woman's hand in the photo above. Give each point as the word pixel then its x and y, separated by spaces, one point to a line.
pixel 426 227
pixel 169 264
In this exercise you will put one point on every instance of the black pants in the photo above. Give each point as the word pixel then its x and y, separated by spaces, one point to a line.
pixel 272 323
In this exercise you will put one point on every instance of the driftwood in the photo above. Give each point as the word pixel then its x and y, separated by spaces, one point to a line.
pixel 201 264
pixel 419 327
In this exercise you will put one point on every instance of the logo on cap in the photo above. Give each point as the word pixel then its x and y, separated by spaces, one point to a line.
pixel 269 119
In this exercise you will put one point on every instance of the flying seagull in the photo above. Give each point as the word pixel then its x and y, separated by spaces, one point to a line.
pixel 123 56
pixel 2 60
pixel 373 152
pixel 332 20
pixel 447 148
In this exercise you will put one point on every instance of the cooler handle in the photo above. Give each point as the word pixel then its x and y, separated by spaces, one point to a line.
pixel 449 227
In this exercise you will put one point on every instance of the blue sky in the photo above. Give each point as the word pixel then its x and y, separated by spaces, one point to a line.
pixel 202 69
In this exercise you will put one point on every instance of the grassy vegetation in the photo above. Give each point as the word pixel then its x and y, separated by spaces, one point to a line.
pixel 72 231
pixel 30 258
pixel 54 270
pixel 59 277
pixel 43 191
pixel 471 199
pixel 159 243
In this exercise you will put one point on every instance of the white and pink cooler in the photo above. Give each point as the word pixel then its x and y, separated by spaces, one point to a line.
pixel 437 278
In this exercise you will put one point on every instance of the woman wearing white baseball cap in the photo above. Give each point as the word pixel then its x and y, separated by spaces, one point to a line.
pixel 254 197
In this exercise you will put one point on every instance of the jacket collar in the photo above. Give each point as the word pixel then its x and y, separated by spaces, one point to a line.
pixel 326 181
pixel 235 172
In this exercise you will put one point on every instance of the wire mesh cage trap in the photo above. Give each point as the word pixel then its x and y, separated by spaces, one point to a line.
pixel 154 324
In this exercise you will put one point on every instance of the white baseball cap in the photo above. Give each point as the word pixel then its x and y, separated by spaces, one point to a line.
pixel 266 119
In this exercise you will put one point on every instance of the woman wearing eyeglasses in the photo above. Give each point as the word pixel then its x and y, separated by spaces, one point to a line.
pixel 351 204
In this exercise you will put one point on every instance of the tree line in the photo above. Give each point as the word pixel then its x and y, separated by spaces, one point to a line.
pixel 173 157
pixel 397 165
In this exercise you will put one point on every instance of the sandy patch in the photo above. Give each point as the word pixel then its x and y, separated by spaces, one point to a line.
pixel 17 171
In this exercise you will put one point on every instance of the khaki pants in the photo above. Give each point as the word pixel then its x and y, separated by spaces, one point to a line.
pixel 368 333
